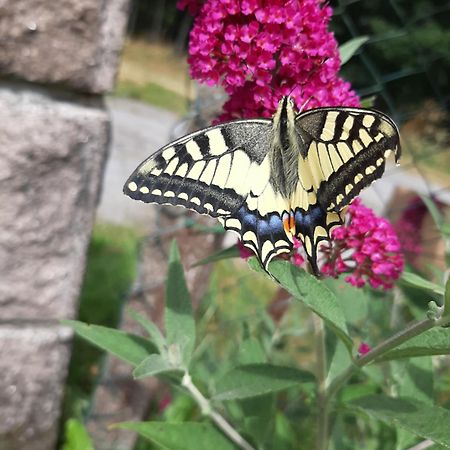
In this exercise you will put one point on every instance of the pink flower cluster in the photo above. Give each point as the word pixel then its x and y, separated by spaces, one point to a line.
pixel 260 51
pixel 367 247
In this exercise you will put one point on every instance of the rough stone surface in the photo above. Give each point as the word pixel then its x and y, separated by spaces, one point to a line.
pixel 52 152
pixel 76 43
pixel 33 362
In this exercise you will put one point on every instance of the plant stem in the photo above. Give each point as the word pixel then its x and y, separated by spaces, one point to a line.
pixel 423 445
pixel 321 374
pixel 409 332
pixel 207 410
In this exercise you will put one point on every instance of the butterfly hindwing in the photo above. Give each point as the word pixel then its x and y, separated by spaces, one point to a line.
pixel 208 171
pixel 345 150
pixel 260 223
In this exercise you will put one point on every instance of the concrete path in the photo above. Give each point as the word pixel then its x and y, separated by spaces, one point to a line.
pixel 138 130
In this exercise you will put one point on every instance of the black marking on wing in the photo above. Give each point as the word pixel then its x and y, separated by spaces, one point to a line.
pixel 306 224
pixel 202 141
pixel 154 182
pixel 268 228
pixel 228 199
pixel 335 185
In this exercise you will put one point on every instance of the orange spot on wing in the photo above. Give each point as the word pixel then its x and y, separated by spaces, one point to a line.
pixel 289 224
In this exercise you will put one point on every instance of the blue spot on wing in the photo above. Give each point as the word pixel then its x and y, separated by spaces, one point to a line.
pixel 266 228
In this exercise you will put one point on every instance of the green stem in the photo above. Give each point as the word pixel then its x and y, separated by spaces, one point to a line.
pixel 321 374
pixel 412 330
pixel 207 410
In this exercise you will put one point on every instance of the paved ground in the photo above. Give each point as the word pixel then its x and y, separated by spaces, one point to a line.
pixel 139 129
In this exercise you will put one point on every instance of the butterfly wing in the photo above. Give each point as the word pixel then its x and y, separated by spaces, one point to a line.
pixel 207 171
pixel 260 222
pixel 343 151
pixel 222 171
pixel 346 150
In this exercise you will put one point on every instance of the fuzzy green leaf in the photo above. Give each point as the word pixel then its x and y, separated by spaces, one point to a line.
pixel 349 48
pixel 435 341
pixel 225 253
pixel 252 380
pixel 412 378
pixel 153 365
pixel 447 298
pixel 179 321
pixel 180 436
pixel 251 352
pixel 150 328
pixel 429 422
pixel 421 283
pixel 313 293
pixel 128 347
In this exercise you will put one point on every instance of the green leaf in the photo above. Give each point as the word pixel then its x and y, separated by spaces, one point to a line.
pixel 193 224
pixel 179 321
pixel 433 210
pixel 251 352
pixel 421 283
pixel 413 378
pixel 447 298
pixel 251 380
pixel 355 311
pixel 340 359
pixel 430 422
pixel 153 365
pixel 368 102
pixel 225 253
pixel 445 229
pixel 128 347
pixel 76 436
pixel 435 341
pixel 313 293
pixel 284 433
pixel 347 50
pixel 180 436
pixel 353 391
pixel 150 328
pixel 257 421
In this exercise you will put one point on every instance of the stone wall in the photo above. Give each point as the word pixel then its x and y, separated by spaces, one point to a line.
pixel 56 61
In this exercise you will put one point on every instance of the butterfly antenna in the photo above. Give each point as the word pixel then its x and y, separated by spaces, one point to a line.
pixel 303 107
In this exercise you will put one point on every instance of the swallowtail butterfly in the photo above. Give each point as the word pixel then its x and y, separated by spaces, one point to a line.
pixel 272 180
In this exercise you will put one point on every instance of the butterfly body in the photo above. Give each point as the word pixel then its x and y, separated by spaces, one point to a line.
pixel 271 181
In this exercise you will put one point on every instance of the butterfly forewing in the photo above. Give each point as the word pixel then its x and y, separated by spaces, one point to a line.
pixel 208 171
pixel 345 150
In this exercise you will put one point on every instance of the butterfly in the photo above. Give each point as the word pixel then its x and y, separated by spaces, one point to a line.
pixel 271 181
